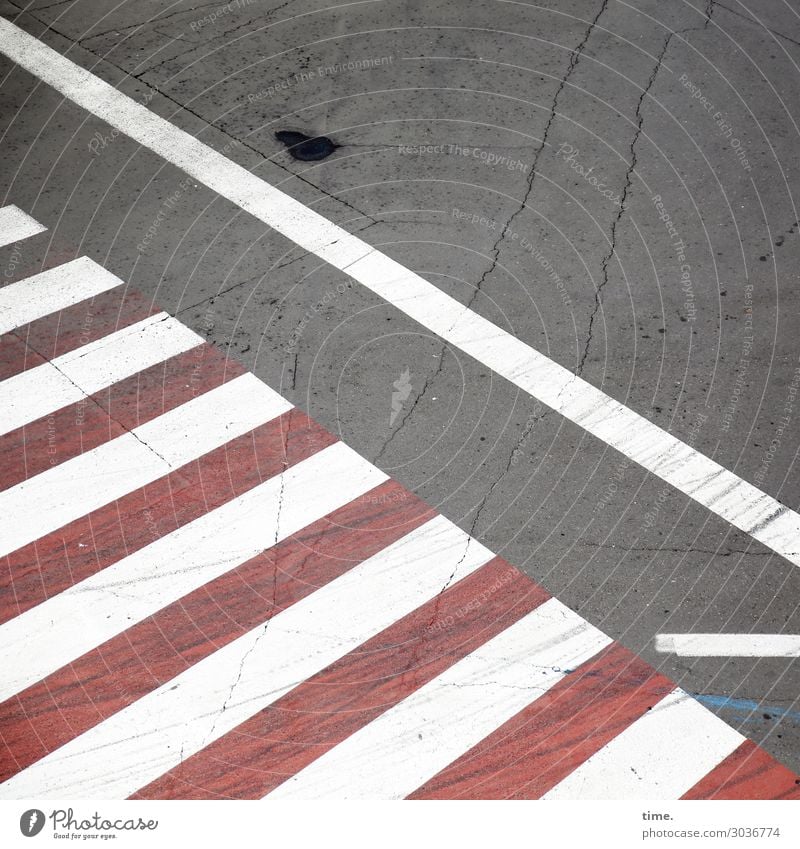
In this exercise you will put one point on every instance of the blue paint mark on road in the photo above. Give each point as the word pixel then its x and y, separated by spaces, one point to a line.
pixel 746 706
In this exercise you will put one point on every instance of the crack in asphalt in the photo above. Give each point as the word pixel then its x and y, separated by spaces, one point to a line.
pixel 259 276
pixel 574 58
pixel 210 737
pixel 525 433
pixel 196 45
pixel 428 382
pixel 90 398
pixel 137 26
pixel 275 568
pixel 260 17
pixel 437 605
pixel 753 21
pixel 50 5
pixel 496 248
pixel 623 197
pixel 573 61
pixel 709 12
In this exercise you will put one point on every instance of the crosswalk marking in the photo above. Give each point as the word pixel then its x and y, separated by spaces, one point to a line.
pixel 216 694
pixel 69 378
pixel 409 743
pixel 52 290
pixel 537 748
pixel 16 225
pixel 213 555
pixel 55 497
pixel 660 756
pixel 327 708
pixel 173 566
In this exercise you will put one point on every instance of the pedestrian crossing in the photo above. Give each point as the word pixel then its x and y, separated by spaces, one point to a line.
pixel 207 595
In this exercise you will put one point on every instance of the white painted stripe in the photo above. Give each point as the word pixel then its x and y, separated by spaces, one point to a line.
pixel 52 290
pixel 660 756
pixel 729 645
pixel 69 378
pixel 87 614
pixel 34 393
pixel 694 474
pixel 63 493
pixel 146 739
pixel 212 419
pixel 403 748
pixel 16 224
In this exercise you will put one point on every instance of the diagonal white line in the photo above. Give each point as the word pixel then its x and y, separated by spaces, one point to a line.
pixel 721 491
pixel 729 645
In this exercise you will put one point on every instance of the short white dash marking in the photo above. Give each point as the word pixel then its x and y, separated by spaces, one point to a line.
pixel 729 645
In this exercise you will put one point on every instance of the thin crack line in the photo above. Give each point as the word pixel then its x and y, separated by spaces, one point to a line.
pixel 623 197
pixel 91 398
pixel 525 434
pixel 407 416
pixel 574 57
pixel 750 20
pixel 573 61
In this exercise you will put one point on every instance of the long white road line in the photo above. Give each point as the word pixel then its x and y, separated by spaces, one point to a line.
pixel 188 712
pixel 729 645
pixel 677 463
pixel 16 225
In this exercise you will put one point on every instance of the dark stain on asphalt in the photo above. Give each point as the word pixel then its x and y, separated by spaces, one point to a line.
pixel 306 148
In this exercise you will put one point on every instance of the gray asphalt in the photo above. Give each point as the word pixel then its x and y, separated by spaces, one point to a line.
pixel 612 182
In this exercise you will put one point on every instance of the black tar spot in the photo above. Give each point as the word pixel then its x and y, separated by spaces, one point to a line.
pixel 304 147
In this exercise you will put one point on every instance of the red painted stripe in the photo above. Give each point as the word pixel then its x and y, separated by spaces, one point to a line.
pixel 747 773
pixel 129 666
pixel 78 325
pixel 140 398
pixel 547 740
pixel 16 356
pixel 56 561
pixel 322 711
pixel 166 385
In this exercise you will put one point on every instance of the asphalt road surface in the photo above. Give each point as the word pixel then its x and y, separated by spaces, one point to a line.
pixel 612 184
